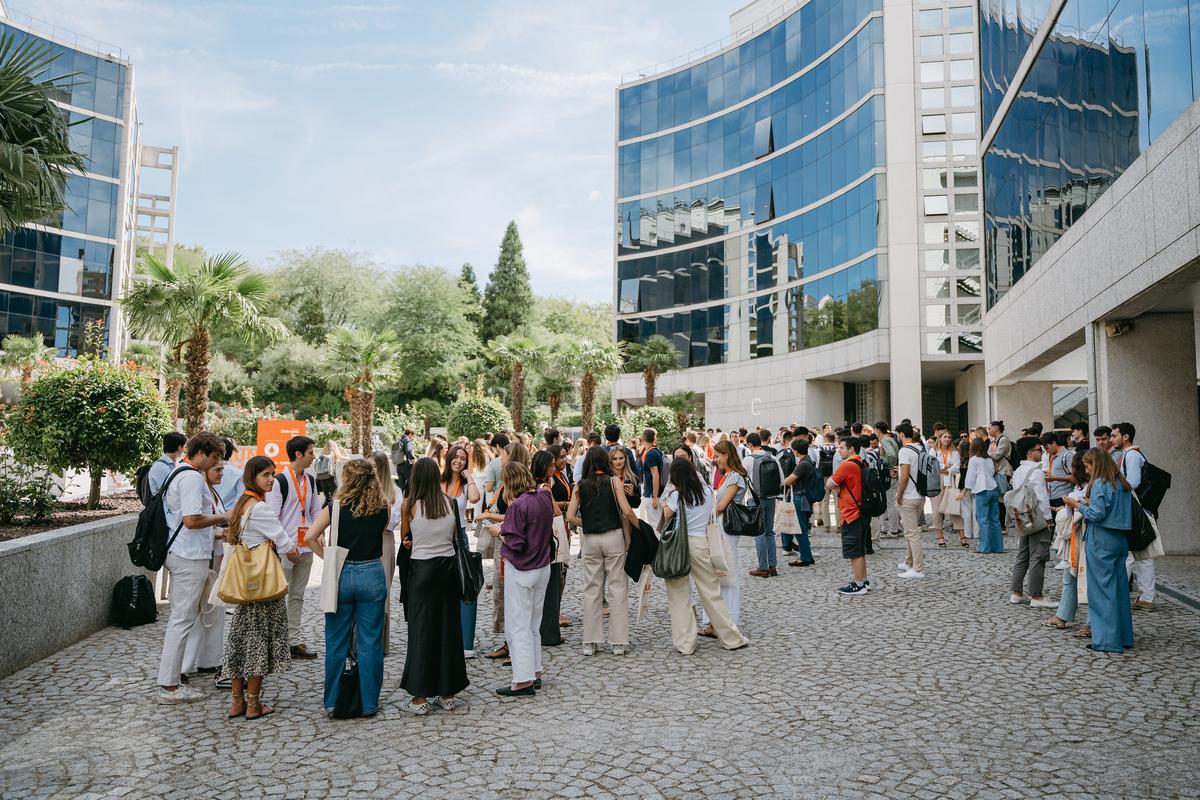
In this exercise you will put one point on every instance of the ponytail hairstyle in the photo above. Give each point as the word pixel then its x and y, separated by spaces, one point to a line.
pixel 254 467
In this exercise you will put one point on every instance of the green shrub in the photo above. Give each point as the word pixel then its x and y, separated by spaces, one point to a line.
pixel 325 430
pixel 397 420
pixel 534 421
pixel 570 420
pixel 240 422
pixel 474 414
pixel 660 418
pixel 90 415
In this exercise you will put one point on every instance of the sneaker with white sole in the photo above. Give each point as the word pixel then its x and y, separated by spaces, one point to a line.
pixel 468 653
pixel 1043 603
pixel 911 573
pixel 222 682
pixel 618 649
pixel 853 588
pixel 182 694
pixel 903 567
pixel 589 649
pixel 444 703
pixel 1017 599
pixel 413 708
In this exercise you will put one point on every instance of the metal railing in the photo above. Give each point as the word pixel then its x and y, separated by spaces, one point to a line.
pixel 65 36
pixel 748 32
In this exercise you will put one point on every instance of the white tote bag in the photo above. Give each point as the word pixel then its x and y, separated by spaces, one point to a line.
pixel 331 567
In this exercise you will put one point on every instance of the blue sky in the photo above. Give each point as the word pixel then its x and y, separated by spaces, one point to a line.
pixel 412 131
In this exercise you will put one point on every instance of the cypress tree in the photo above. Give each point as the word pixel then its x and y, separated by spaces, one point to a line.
pixel 466 280
pixel 508 299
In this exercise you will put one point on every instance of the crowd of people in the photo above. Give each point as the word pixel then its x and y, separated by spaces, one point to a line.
pixel 523 501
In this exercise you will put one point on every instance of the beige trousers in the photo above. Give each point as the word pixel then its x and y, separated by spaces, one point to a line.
pixel 708 586
pixel 389 572
pixel 910 521
pixel 604 559
pixel 297 578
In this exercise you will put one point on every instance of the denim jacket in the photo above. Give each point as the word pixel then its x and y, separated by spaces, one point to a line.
pixel 1108 505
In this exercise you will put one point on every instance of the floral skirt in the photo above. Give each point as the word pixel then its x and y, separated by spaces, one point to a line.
pixel 258 640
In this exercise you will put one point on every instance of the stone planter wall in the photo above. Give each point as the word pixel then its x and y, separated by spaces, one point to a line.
pixel 56 587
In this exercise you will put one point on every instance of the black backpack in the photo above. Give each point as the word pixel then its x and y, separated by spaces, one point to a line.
pixel 877 465
pixel 767 476
pixel 1155 483
pixel 133 602
pixel 874 497
pixel 825 465
pixel 142 483
pixel 150 544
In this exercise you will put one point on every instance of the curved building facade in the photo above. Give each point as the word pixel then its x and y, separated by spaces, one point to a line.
pixel 754 228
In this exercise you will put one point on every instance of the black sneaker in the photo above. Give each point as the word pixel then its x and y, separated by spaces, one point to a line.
pixel 867 584
pixel 854 588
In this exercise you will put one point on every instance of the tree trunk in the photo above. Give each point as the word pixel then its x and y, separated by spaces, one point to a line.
pixel 351 396
pixel 649 378
pixel 94 492
pixel 26 376
pixel 368 421
pixel 196 362
pixel 555 401
pixel 173 389
pixel 518 396
pixel 587 399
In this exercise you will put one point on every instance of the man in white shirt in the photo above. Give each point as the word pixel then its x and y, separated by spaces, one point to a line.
pixel 188 505
pixel 173 443
pixel 295 500
pixel 1034 549
pixel 1131 462
pixel 491 473
pixel 910 501
pixel 764 543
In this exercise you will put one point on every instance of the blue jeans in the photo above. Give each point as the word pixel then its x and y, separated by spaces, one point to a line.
pixel 804 517
pixel 1069 602
pixel 362 594
pixel 764 543
pixel 467 611
pixel 987 517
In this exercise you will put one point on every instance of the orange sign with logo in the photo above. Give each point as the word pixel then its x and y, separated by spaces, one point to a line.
pixel 273 435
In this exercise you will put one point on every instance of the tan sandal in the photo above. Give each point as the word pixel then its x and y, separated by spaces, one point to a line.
pixel 1083 633
pixel 1055 622
pixel 253 701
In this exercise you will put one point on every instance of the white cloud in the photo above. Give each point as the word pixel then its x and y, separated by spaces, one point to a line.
pixel 520 80
pixel 560 262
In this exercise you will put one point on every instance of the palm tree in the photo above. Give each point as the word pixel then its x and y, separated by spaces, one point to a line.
pixel 26 354
pixel 145 357
pixel 516 354
pixel 684 404
pixel 556 387
pixel 593 361
pixel 167 366
pixel 360 362
pixel 35 150
pixel 183 305
pixel 656 356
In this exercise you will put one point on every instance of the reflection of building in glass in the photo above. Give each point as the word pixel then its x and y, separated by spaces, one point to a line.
pixel 1082 113
pixel 753 224
pixel 60 274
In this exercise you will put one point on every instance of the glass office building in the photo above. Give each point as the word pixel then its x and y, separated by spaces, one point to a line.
pixel 753 214
pixel 63 272
pixel 1107 80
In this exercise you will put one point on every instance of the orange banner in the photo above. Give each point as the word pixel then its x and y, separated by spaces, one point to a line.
pixel 273 435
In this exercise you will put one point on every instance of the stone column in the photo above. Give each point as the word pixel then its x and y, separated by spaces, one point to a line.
pixel 1021 404
pixel 1147 376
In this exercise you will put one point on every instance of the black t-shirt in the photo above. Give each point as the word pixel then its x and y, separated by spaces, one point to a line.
pixel 362 536
pixel 804 473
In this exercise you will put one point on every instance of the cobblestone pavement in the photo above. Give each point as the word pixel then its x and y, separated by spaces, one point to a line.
pixel 929 689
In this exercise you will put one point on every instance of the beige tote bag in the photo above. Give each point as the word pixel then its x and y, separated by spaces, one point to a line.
pixel 331 567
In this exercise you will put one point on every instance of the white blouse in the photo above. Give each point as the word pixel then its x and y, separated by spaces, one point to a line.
pixel 262 526
pixel 981 475
pixel 949 479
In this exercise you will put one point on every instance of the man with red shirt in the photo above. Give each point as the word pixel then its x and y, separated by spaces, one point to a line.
pixel 847 480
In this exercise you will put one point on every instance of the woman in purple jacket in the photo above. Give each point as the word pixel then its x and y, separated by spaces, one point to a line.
pixel 525 537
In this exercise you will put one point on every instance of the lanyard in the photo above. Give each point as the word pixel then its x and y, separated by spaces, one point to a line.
pixel 301 495
pixel 558 476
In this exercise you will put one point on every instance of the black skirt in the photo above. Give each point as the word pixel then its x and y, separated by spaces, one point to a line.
pixel 550 630
pixel 434 665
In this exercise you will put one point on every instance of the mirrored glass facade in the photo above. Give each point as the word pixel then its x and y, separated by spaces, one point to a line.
pixel 1110 78
pixel 74 253
pixel 749 211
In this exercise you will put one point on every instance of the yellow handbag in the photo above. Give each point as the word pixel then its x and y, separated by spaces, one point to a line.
pixel 252 575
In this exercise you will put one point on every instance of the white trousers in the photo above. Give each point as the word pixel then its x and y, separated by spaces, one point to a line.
pixel 732 595
pixel 297 577
pixel 891 517
pixel 1143 573
pixel 187 584
pixel 205 646
pixel 970 527
pixel 524 596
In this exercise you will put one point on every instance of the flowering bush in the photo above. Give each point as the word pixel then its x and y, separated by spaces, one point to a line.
pixel 240 422
pixel 662 419
pixel 474 414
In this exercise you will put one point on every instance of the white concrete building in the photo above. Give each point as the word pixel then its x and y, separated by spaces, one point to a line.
pixel 798 211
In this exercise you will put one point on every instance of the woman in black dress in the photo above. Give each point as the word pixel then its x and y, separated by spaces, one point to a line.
pixel 542 467
pixel 434 666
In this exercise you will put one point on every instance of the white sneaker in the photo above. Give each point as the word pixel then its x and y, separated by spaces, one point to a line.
pixel 1043 603
pixel 903 567
pixel 412 708
pixel 589 649
pixel 468 653
pixel 618 649
pixel 1016 599
pixel 182 694
pixel 911 573
pixel 1061 565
